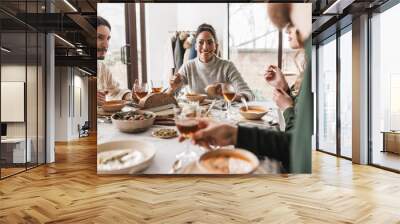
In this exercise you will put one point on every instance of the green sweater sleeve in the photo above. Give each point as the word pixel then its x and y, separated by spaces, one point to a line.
pixel 289 115
pixel 266 142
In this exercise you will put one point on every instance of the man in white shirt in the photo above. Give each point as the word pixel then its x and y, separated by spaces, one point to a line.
pixel 106 84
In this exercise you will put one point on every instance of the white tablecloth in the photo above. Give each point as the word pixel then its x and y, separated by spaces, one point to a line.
pixel 166 149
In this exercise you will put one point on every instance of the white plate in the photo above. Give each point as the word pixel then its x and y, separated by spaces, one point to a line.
pixel 144 149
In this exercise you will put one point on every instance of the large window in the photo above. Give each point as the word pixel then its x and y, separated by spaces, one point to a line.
pixel 385 89
pixel 126 57
pixel 22 79
pixel 115 15
pixel 254 44
pixel 346 93
pixel 327 96
pixel 334 106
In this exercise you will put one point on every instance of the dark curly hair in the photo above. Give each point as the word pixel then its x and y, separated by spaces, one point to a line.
pixel 207 27
pixel 103 22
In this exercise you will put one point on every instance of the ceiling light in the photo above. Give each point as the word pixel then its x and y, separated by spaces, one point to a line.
pixel 86 72
pixel 332 9
pixel 337 7
pixel 70 5
pixel 65 41
pixel 5 50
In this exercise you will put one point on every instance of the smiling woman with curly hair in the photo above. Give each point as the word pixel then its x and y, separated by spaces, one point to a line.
pixel 209 69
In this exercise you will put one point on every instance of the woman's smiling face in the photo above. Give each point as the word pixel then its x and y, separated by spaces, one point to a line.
pixel 205 46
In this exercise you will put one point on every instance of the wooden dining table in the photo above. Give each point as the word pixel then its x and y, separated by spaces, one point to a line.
pixel 167 149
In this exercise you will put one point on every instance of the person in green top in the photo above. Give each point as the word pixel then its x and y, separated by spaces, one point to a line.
pixel 293 147
pixel 285 97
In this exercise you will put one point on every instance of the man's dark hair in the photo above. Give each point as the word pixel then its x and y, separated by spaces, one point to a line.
pixel 103 22
pixel 206 27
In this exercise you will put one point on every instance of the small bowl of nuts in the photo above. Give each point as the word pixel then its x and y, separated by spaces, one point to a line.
pixel 165 133
pixel 133 121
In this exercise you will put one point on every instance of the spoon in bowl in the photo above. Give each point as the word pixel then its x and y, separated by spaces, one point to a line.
pixel 244 102
pixel 211 106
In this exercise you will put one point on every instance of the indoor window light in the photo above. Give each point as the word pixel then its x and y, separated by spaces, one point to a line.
pixel 84 71
pixel 65 41
pixel 5 50
pixel 70 5
pixel 337 7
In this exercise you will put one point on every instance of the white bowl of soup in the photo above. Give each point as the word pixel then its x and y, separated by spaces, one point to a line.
pixel 228 161
pixel 253 112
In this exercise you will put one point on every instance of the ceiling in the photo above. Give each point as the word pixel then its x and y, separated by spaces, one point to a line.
pixel 72 20
pixel 331 15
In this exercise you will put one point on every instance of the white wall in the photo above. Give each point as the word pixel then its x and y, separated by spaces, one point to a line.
pixel 12 73
pixel 66 121
pixel 157 36
pixel 33 126
pixel 191 15
pixel 80 103
pixel 177 17
pixel 61 103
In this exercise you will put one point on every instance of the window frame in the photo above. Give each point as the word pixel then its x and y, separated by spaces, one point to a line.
pixel 379 10
pixel 27 29
pixel 132 43
pixel 334 37
pixel 280 40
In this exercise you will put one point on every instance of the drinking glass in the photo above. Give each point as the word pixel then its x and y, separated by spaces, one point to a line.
pixel 229 93
pixel 182 93
pixel 187 124
pixel 156 86
pixel 140 90
pixel 105 93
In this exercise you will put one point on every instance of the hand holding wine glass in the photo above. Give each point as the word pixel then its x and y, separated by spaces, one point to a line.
pixel 212 135
pixel 187 125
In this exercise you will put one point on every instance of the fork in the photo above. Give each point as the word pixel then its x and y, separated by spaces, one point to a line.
pixel 177 165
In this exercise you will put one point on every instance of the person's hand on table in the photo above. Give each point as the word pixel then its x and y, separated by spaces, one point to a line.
pixel 282 99
pixel 274 77
pixel 211 134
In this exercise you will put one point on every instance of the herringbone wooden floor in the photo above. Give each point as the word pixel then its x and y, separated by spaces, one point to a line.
pixel 69 191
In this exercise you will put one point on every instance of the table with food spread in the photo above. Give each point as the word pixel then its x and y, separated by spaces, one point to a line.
pixel 160 143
